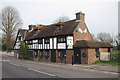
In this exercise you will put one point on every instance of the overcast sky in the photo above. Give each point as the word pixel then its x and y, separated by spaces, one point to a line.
pixel 100 15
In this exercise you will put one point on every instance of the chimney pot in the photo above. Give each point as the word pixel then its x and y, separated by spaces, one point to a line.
pixel 80 16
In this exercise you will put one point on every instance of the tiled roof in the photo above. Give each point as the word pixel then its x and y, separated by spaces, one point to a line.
pixel 91 44
pixel 50 30
pixel 22 32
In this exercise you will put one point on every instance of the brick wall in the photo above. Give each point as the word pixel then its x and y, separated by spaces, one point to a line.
pixel 103 49
pixel 82 36
pixel 91 56
pixel 44 59
pixel 69 54
pixel 106 50
pixel 58 59
pixel 15 53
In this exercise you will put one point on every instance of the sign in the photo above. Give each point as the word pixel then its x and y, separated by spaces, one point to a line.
pixel 70 42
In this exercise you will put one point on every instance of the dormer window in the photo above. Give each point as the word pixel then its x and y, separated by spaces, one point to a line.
pixel 36 31
pixel 47 41
pixel 58 28
pixel 40 41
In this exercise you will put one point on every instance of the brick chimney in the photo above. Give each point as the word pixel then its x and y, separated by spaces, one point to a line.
pixel 31 27
pixel 80 17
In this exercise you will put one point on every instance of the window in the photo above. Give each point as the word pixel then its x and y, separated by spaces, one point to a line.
pixel 41 54
pixel 61 54
pixel 61 40
pixel 47 41
pixel 58 28
pixel 40 41
pixel 35 41
pixel 19 38
pixel 47 54
pixel 36 32
pixel 29 42
pixel 36 54
pixel 97 52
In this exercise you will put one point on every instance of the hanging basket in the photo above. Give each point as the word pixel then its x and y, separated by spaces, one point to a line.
pixel 84 54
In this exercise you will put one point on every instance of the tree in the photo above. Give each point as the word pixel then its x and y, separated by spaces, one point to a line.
pixel 105 37
pixel 61 19
pixel 10 23
pixel 23 49
pixel 94 37
pixel 118 41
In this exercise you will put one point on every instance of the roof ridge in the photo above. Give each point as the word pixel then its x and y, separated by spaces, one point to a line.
pixel 22 29
pixel 62 22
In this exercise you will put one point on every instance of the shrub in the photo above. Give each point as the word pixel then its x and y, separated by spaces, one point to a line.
pixel 23 50
pixel 4 47
pixel 115 56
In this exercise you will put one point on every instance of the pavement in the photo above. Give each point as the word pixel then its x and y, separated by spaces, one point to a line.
pixel 49 69
pixel 99 67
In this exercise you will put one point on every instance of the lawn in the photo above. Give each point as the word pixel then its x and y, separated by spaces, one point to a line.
pixel 114 61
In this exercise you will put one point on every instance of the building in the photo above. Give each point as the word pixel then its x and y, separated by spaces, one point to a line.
pixel 64 42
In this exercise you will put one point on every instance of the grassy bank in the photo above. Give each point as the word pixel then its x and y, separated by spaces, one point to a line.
pixel 114 61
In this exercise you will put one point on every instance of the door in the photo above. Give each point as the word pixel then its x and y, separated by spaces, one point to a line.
pixel 30 55
pixel 77 56
pixel 53 56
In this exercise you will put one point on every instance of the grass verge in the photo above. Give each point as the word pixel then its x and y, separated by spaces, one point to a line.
pixel 114 61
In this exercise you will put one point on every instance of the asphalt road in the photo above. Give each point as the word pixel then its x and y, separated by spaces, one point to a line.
pixel 13 68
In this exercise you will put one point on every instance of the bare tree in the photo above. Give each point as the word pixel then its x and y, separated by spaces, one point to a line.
pixel 118 41
pixel 10 23
pixel 94 37
pixel 105 37
pixel 61 19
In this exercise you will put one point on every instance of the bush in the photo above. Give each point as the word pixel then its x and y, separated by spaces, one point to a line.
pixel 10 48
pixel 0 47
pixel 115 61
pixel 115 56
pixel 4 47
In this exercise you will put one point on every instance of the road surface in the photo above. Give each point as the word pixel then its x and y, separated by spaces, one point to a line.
pixel 13 68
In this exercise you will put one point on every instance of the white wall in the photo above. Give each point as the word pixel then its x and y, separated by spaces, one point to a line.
pixel 55 43
pixel 61 45
pixel 51 43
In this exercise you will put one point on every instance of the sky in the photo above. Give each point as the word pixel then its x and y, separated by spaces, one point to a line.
pixel 100 15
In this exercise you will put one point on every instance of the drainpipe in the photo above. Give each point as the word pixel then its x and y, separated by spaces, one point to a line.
pixel 72 60
pixel 65 59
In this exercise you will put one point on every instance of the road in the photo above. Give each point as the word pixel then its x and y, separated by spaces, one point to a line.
pixel 13 68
